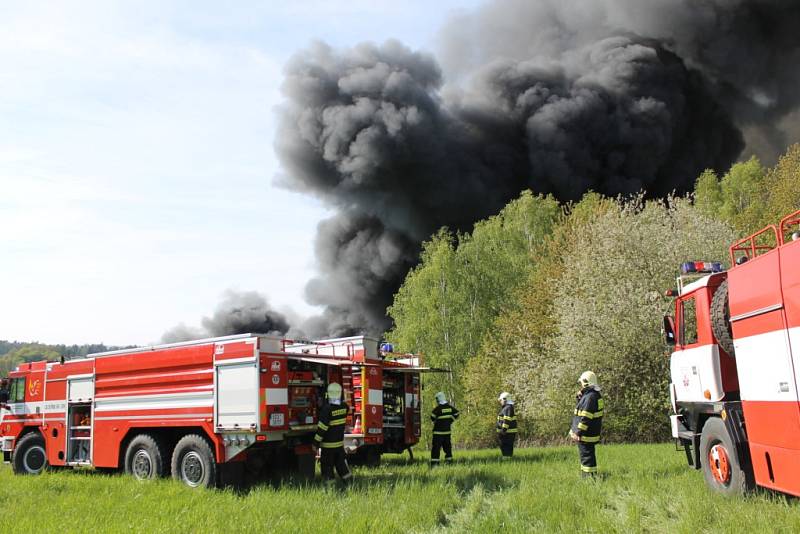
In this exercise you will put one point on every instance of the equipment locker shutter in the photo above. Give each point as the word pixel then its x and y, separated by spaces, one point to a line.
pixel 237 395
pixel 81 389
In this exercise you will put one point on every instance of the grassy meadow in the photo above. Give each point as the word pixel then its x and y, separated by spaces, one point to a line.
pixel 643 488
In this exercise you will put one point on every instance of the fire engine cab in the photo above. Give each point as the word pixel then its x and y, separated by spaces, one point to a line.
pixel 736 364
pixel 210 410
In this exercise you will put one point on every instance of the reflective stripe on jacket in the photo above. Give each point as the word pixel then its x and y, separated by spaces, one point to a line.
pixel 443 416
pixel 330 429
pixel 507 420
pixel 588 418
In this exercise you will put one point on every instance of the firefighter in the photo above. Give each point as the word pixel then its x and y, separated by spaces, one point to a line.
pixel 442 416
pixel 330 436
pixel 587 422
pixel 506 425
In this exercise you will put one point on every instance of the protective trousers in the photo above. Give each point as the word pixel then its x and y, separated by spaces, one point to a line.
pixel 441 441
pixel 334 458
pixel 588 458
pixel 507 444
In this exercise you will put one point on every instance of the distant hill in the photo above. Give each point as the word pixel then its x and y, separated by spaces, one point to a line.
pixel 13 353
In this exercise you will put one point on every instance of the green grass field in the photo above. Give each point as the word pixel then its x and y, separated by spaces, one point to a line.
pixel 644 488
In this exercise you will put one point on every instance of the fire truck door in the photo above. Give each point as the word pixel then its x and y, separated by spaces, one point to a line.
pixel 236 405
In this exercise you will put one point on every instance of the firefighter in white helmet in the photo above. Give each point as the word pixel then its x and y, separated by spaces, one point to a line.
pixel 506 425
pixel 587 422
pixel 330 436
pixel 442 417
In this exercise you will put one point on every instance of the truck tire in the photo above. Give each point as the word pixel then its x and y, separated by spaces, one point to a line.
pixel 720 461
pixel 30 455
pixel 144 457
pixel 721 319
pixel 306 466
pixel 193 462
pixel 372 456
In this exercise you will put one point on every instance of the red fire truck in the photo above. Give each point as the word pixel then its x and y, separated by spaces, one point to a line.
pixel 207 411
pixel 736 364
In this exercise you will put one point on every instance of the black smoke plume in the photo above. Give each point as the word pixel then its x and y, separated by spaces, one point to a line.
pixel 238 313
pixel 558 96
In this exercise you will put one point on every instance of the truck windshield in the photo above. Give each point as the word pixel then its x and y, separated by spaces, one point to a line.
pixel 17 390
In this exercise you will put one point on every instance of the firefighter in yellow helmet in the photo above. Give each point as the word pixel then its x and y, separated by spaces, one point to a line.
pixel 587 422
pixel 506 425
pixel 330 436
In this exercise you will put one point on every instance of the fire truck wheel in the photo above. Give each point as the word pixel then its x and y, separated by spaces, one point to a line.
pixel 720 461
pixel 193 462
pixel 721 318
pixel 144 458
pixel 29 456
pixel 372 456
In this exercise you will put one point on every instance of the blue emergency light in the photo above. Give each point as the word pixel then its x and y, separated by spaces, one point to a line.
pixel 387 347
pixel 701 267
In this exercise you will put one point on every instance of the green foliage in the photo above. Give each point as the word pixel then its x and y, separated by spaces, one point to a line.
pixel 524 326
pixel 13 353
pixel 708 194
pixel 739 198
pixel 645 488
pixel 447 304
pixel 26 353
pixel 782 186
pixel 606 311
pixel 744 196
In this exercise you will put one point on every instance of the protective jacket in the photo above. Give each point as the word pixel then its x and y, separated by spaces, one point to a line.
pixel 443 416
pixel 506 420
pixel 588 419
pixel 330 429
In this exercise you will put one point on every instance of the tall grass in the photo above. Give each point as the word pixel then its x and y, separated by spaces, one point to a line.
pixel 643 488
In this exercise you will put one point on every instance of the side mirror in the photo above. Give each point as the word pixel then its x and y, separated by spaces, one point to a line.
pixel 669 330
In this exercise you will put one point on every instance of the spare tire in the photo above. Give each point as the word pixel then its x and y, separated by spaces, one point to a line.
pixel 721 319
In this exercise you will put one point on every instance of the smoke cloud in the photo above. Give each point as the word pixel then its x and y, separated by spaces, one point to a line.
pixel 238 313
pixel 558 96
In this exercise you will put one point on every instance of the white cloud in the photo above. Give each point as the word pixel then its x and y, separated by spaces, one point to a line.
pixel 136 158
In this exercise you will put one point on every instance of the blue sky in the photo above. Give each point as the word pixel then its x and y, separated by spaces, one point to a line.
pixel 136 157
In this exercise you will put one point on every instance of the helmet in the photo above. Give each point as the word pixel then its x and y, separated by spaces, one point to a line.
pixel 588 378
pixel 441 398
pixel 505 397
pixel 334 391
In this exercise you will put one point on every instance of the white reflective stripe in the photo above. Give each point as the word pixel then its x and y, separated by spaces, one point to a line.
pixel 759 311
pixel 232 361
pixel 150 417
pixel 31 408
pixel 765 368
pixel 375 396
pixel 155 402
pixel 277 396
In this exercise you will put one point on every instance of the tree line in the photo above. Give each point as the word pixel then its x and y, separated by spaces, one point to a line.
pixel 542 291
pixel 13 353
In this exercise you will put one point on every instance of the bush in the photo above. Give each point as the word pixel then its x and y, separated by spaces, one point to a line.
pixel 605 315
